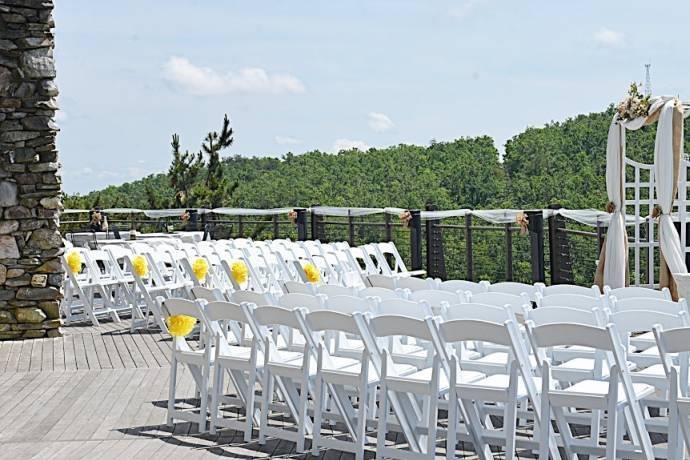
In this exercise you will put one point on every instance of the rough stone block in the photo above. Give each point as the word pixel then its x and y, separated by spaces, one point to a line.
pixel 30 315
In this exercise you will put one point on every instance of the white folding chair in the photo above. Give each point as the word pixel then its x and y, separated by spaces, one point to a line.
pixel 382 281
pixel 198 360
pixel 330 290
pixel 617 395
pixel 592 291
pixel 293 287
pixel 415 284
pixel 463 286
pixel 435 299
pixel 637 291
pixel 515 288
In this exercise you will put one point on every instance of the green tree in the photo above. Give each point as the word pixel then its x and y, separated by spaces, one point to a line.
pixel 183 171
pixel 216 188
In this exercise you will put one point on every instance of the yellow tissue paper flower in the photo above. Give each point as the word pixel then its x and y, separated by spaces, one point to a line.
pixel 239 272
pixel 313 273
pixel 200 268
pixel 140 266
pixel 180 325
pixel 74 261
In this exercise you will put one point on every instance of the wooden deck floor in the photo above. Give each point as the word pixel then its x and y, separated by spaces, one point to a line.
pixel 101 393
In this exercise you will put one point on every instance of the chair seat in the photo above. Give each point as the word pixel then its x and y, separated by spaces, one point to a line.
pixel 493 388
pixel 350 375
pixel 418 382
pixel 594 394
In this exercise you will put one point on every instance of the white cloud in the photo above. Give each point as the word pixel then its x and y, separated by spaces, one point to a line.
pixel 464 8
pixel 204 81
pixel 287 140
pixel 380 122
pixel 608 37
pixel 349 144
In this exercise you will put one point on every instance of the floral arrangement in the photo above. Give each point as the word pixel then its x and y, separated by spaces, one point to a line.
pixel 96 218
pixel 200 268
pixel 180 325
pixel 140 266
pixel 239 271
pixel 406 218
pixel 74 261
pixel 312 273
pixel 184 217
pixel 292 215
pixel 635 105
pixel 522 220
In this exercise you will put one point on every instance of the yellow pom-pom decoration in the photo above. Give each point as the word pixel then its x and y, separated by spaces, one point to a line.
pixel 74 261
pixel 313 273
pixel 239 271
pixel 200 268
pixel 180 325
pixel 140 266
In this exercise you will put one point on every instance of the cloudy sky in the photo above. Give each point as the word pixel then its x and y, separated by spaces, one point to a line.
pixel 302 75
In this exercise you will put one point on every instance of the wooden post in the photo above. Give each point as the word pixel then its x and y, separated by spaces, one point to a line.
pixel 301 224
pixel 435 257
pixel 509 251
pixel 240 227
pixel 536 239
pixel 275 226
pixel 351 228
pixel 416 239
pixel 559 250
pixel 389 226
pixel 469 260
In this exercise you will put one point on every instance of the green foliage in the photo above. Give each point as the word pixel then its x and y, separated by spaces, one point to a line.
pixel 183 171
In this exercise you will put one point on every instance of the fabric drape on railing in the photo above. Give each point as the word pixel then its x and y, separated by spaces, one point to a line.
pixel 498 216
pixel 250 212
pixel 344 212
pixel 122 210
pixel 155 213
pixel 436 215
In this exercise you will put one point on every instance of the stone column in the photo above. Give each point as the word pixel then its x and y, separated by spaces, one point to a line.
pixel 30 198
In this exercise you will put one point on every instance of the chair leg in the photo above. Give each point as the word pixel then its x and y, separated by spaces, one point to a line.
pixel 318 407
pixel 171 390
pixel 382 420
pixel 545 411
pixel 266 397
pixel 432 421
pixel 216 392
pixel 595 429
pixel 203 399
pixel 302 411
pixel 362 411
pixel 509 419
pixel 249 409
pixel 612 430
pixel 451 437
pixel 673 444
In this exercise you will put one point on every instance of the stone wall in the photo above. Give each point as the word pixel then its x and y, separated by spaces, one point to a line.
pixel 30 197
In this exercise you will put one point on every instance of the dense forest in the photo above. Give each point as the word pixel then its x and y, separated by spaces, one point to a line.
pixel 560 163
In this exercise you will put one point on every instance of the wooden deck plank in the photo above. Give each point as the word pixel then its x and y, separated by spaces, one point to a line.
pixel 144 350
pixel 111 349
pixel 92 357
pixel 80 353
pixel 36 385
pixel 47 361
pixel 59 354
pixel 36 355
pixel 103 356
pixel 68 352
pixel 134 352
pixel 123 351
pixel 5 353
pixel 25 356
pixel 150 342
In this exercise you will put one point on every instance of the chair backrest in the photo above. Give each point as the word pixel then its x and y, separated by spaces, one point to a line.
pixel 222 311
pixel 256 298
pixel 648 304
pixel 578 301
pixel 464 286
pixel 514 288
pixel 399 325
pixel 176 306
pixel 335 290
pixel 208 294
pixel 551 315
pixel 402 307
pixel 269 315
pixel 293 301
pixel 565 334
pixel 436 299
pixel 637 291
pixel 414 284
pixel 517 303
pixel 461 330
pixel 478 312
pixel 674 344
pixel 325 320
pixel 630 321
pixel 348 304
pixel 388 248
pixel 296 287
pixel 383 281
pixel 591 291
pixel 381 293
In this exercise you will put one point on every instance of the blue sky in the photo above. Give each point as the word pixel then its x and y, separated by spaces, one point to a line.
pixel 302 75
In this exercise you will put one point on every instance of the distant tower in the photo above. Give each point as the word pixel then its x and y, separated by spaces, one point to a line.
pixel 647 80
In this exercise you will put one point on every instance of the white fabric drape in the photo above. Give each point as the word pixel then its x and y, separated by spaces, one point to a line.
pixel 669 241
pixel 615 266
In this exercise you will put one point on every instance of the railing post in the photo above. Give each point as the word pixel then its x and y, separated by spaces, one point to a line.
pixel 536 240
pixel 416 239
pixel 469 259
pixel 351 228
pixel 435 257
pixel 240 227
pixel 275 226
pixel 389 226
pixel 509 251
pixel 559 250
pixel 301 224
pixel 316 225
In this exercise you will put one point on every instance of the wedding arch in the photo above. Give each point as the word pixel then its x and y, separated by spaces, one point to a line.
pixel 659 188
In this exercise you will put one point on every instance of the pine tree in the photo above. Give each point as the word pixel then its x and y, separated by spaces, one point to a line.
pixel 218 188
pixel 182 172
